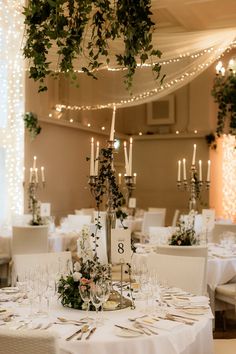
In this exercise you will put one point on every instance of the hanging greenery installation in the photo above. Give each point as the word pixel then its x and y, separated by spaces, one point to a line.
pixel 83 29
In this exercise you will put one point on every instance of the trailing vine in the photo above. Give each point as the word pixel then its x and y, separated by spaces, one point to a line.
pixel 106 183
pixel 78 29
pixel 224 93
pixel 32 124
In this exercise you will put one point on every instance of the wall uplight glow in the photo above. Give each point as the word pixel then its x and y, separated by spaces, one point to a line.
pixel 229 177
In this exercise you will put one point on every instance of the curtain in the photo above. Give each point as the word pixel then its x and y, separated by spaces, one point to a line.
pixel 11 109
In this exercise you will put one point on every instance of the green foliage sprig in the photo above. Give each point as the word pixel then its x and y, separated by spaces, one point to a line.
pixel 78 29
pixel 224 93
pixel 106 183
pixel 32 124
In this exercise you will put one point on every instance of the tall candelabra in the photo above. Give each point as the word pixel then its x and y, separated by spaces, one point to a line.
pixel 33 186
pixel 194 183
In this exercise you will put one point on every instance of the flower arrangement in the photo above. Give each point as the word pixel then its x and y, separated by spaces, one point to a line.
pixel 86 271
pixel 185 234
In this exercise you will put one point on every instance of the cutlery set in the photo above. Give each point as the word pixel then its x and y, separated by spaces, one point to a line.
pixel 79 334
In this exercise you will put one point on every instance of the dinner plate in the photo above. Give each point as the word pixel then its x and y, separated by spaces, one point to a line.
pixel 126 333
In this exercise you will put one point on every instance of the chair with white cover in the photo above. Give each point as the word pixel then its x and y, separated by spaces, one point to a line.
pixel 56 263
pixel 175 217
pixel 177 266
pixel 159 234
pixel 21 219
pixel 76 222
pixel 27 342
pixel 220 229
pixel 159 210
pixel 29 239
pixel 152 218
pixel 226 293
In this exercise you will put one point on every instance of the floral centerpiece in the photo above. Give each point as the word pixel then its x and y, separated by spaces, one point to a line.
pixel 86 270
pixel 185 234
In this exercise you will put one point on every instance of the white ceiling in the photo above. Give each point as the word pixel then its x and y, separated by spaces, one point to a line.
pixel 193 15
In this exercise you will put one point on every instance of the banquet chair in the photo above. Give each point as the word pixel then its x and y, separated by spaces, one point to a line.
pixel 27 342
pixel 55 262
pixel 21 219
pixel 76 222
pixel 220 229
pixel 29 239
pixel 4 268
pixel 177 266
pixel 159 234
pixel 175 217
pixel 159 210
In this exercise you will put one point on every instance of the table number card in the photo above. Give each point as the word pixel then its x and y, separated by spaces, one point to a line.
pixel 208 219
pixel 132 202
pixel 120 246
pixel 45 209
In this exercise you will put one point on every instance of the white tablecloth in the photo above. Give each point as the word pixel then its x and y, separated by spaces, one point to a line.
pixel 181 339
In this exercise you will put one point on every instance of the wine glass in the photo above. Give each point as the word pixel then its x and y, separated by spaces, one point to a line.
pixel 96 294
pixel 84 290
pixel 105 286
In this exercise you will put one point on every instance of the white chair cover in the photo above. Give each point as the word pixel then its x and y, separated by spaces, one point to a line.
pixel 175 217
pixel 57 263
pixel 21 220
pixel 159 234
pixel 159 210
pixel 27 342
pixel 76 222
pixel 152 219
pixel 187 273
pixel 29 239
pixel 221 229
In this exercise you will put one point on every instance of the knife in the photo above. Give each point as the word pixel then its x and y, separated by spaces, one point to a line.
pixel 74 334
pixel 91 332
pixel 129 329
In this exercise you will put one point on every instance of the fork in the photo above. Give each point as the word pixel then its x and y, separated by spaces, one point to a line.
pixel 84 329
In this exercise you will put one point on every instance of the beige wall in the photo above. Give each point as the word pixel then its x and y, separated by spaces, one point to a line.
pixel 62 149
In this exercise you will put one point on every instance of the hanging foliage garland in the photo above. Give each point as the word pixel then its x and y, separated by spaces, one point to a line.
pixel 83 29
pixel 224 93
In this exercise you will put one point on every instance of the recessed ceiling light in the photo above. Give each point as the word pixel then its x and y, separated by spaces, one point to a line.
pixel 89 125
pixel 140 133
pixel 195 131
pixel 103 128
pixel 177 132
pixel 71 120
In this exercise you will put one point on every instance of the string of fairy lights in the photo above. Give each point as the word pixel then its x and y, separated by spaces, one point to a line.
pixel 169 85
pixel 228 177
pixel 12 103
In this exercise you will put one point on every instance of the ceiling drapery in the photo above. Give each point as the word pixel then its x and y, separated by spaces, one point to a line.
pixel 185 56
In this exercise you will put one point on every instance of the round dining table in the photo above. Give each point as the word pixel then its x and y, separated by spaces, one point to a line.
pixel 171 337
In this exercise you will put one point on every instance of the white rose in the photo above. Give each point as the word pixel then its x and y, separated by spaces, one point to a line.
pixel 77 276
pixel 77 266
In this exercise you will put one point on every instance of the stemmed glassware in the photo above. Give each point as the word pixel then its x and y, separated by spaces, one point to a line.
pixel 85 293
pixel 105 286
pixel 96 294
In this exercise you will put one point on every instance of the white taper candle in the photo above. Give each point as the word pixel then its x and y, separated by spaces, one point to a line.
pixel 194 154
pixel 208 170
pixel 92 158
pixel 96 160
pixel 179 171
pixel 126 159
pixel 130 155
pixel 184 169
pixel 200 170
pixel 113 124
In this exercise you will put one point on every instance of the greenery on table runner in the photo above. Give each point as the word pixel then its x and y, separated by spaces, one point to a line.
pixel 32 124
pixel 224 93
pixel 78 29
